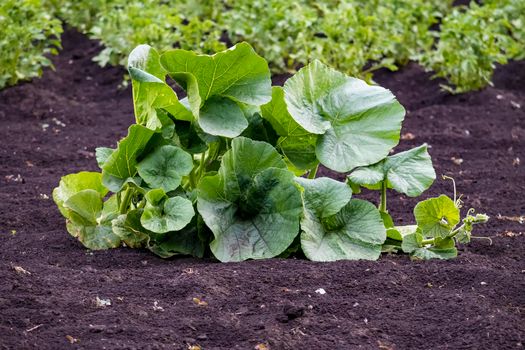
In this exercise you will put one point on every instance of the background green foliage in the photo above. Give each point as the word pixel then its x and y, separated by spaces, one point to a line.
pixel 461 44
pixel 28 34
pixel 473 39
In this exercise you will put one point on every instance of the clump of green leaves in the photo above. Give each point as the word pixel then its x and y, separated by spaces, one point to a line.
pixel 121 25
pixel 29 35
pixel 354 36
pixel 473 39
pixel 437 231
pixel 217 173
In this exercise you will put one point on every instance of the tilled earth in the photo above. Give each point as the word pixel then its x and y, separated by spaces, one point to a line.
pixel 49 283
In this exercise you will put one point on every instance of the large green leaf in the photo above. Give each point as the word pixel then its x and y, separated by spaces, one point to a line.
pixel 122 163
pixel 222 117
pixel 162 214
pixel 165 167
pixel 355 232
pixel 410 172
pixel 297 144
pixel 437 216
pixel 89 219
pixel 358 123
pixel 74 183
pixel 252 205
pixel 325 196
pixel 216 83
pixel 150 92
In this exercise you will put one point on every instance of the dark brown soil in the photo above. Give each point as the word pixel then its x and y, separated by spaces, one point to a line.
pixel 473 302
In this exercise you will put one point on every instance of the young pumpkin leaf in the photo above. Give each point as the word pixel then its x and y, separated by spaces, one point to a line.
pixel 358 123
pixel 73 183
pixel 355 232
pixel 165 167
pixel 150 91
pixel 410 172
pixel 215 84
pixel 162 214
pixel 297 144
pixel 89 219
pixel 121 165
pixel 437 216
pixel 252 205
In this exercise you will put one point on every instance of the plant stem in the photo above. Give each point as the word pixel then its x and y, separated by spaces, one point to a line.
pixel 202 166
pixel 313 172
pixel 427 241
pixel 125 201
pixel 382 203
pixel 451 235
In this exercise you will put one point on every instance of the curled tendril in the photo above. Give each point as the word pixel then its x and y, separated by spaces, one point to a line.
pixel 457 201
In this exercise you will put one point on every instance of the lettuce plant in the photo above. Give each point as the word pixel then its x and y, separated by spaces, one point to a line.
pixel 218 172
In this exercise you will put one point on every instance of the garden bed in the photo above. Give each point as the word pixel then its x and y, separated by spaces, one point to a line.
pixel 50 283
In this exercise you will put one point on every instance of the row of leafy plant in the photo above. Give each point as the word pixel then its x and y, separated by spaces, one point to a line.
pixel 355 36
pixel 219 172
pixel 29 33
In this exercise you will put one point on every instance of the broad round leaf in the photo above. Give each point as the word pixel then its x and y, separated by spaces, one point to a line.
pixel 355 232
pixel 252 205
pixel 238 73
pixel 358 123
pixel 437 216
pixel 96 237
pixel 171 214
pixel 325 196
pixel 369 177
pixel 165 167
pixel 410 172
pixel 74 183
pixel 89 219
pixel 222 117
pixel 216 83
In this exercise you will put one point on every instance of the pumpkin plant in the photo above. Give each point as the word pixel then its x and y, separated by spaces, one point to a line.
pixel 218 171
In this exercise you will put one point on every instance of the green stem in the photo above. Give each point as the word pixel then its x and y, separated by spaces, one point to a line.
pixel 313 172
pixel 202 167
pixel 125 201
pixel 427 241
pixel 382 203
pixel 451 235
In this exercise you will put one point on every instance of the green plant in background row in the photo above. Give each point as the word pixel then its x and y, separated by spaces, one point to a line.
pixel 356 36
pixel 217 172
pixel 473 39
pixel 28 35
